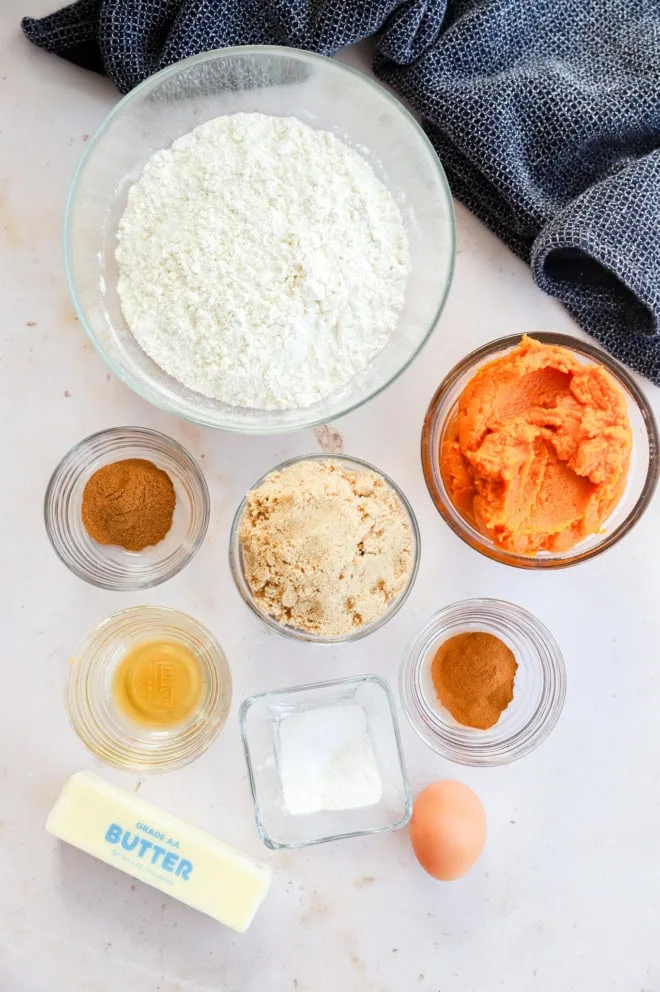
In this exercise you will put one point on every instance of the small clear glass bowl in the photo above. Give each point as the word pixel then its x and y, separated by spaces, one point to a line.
pixel 100 724
pixel 260 717
pixel 642 476
pixel 322 93
pixel 238 572
pixel 539 688
pixel 110 566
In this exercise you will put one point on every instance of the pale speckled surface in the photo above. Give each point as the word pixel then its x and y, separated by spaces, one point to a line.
pixel 566 896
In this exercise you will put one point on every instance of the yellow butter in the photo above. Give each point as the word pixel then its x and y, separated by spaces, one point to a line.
pixel 160 849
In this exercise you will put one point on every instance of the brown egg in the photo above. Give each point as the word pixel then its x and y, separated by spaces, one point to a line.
pixel 448 829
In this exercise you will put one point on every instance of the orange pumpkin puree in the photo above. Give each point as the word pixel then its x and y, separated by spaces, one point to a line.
pixel 538 453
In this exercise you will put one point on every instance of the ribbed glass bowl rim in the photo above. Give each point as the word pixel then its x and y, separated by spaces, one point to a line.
pixel 192 743
pixel 232 51
pixel 236 566
pixel 447 742
pixel 243 711
pixel 433 427
pixel 141 435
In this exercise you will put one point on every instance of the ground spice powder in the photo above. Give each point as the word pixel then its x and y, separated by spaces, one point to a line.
pixel 473 675
pixel 129 503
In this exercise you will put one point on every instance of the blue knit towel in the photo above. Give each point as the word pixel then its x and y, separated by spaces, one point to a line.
pixel 545 113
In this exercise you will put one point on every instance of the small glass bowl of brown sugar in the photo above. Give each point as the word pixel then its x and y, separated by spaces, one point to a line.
pixel 324 548
pixel 494 666
pixel 127 508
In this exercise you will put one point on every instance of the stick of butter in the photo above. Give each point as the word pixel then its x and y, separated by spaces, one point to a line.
pixel 157 848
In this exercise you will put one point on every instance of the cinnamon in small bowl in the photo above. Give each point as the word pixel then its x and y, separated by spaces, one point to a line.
pixel 129 503
pixel 473 675
pixel 483 683
pixel 127 508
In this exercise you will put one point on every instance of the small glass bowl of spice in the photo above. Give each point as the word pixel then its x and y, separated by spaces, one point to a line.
pixel 324 548
pixel 127 508
pixel 483 683
pixel 325 762
pixel 149 689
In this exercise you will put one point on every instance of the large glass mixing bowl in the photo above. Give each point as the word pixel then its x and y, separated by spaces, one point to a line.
pixel 282 82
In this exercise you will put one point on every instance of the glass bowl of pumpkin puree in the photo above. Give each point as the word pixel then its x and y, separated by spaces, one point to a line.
pixel 540 451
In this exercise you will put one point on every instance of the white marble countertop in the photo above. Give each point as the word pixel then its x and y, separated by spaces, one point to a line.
pixel 566 895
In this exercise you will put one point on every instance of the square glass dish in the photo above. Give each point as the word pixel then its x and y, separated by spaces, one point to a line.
pixel 262 717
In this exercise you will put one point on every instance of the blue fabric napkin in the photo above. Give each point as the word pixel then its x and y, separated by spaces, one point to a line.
pixel 545 114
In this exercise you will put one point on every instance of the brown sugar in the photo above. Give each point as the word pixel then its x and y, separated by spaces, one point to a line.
pixel 325 549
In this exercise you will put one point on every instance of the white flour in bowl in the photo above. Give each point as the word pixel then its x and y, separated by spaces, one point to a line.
pixel 261 262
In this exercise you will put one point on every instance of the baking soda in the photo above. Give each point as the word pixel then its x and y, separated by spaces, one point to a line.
pixel 327 760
